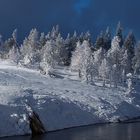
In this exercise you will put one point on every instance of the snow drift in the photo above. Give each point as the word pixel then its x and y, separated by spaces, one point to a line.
pixel 60 102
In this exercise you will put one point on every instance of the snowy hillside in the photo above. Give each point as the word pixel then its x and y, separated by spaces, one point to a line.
pixel 61 102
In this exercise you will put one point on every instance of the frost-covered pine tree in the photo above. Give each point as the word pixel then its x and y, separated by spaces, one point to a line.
pixel 71 45
pixel 61 52
pixel 98 57
pixel 129 45
pixel 67 45
pixel 55 32
pixel 82 61
pixel 124 65
pixel 26 52
pixel 29 48
pixel 14 52
pixel 104 40
pixel 14 35
pixel 87 63
pixel 104 71
pixel 85 36
pixel 107 39
pixel 136 60
pixel 114 57
pixel 48 60
pixel 129 83
pixel 119 33
pixel 99 41
pixel 73 42
pixel 14 55
pixel 76 60
pixel 42 40
pixel 8 44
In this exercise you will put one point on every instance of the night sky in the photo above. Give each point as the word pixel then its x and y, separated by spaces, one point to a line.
pixel 80 15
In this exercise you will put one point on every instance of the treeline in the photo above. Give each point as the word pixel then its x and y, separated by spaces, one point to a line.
pixel 110 58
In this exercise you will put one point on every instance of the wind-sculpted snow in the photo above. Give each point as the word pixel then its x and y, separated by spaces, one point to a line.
pixel 61 102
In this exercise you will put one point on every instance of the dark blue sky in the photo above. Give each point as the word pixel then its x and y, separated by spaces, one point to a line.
pixel 80 15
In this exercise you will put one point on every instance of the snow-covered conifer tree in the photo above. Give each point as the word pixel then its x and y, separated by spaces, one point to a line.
pixel 55 32
pixel 98 57
pixel 76 62
pixel 119 33
pixel 67 42
pixel 14 35
pixel 99 41
pixel 71 43
pixel 129 83
pixel 48 60
pixel 26 52
pixel 29 49
pixel 42 40
pixel 14 53
pixel 104 40
pixel 104 71
pixel 87 62
pixel 114 58
pixel 82 61
pixel 8 44
pixel 129 45
pixel 107 39
pixel 85 36
pixel 136 59
pixel 61 53
pixel 124 65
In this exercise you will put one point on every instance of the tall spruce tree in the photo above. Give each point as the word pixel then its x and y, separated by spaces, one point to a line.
pixel 30 47
pixel 114 58
pixel 48 60
pixel 107 39
pixel 87 63
pixel 129 45
pixel 104 71
pixel 14 51
pixel 98 57
pixel 119 33
pixel 76 60
pixel 99 41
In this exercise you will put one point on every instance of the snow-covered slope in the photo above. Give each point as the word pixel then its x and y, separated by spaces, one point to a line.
pixel 60 102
